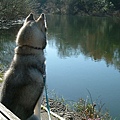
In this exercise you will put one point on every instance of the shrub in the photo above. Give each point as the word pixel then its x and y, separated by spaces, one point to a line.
pixel 14 9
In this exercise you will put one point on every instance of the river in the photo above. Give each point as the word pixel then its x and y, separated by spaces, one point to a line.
pixel 83 53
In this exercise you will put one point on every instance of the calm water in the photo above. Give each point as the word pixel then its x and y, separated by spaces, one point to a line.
pixel 82 53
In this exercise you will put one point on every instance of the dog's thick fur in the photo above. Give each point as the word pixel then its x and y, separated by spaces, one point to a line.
pixel 23 81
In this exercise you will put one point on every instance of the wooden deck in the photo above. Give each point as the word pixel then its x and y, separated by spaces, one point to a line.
pixel 6 114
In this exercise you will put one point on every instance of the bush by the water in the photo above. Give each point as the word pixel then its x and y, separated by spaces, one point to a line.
pixel 83 109
pixel 16 9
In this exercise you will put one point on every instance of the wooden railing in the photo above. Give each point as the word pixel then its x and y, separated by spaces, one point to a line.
pixel 6 114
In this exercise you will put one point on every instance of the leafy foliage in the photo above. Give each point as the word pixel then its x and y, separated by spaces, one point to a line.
pixel 89 111
pixel 86 109
pixel 80 7
pixel 116 4
pixel 14 9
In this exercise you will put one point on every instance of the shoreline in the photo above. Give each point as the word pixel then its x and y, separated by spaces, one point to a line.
pixel 82 110
pixel 61 110
pixel 6 24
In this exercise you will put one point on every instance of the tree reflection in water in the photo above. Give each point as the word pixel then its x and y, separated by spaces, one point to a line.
pixel 98 38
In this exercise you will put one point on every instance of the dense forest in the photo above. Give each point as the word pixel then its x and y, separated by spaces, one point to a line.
pixel 16 9
pixel 80 7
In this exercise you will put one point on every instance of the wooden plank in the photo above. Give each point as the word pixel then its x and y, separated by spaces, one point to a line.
pixel 6 114
pixel 2 117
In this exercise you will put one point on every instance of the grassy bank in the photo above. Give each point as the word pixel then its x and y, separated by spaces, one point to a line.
pixel 83 109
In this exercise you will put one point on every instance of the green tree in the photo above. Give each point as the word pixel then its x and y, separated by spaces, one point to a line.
pixel 116 4
pixel 14 9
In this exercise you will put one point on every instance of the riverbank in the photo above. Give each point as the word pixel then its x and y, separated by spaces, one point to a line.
pixel 99 8
pixel 73 79
pixel 81 110
pixel 6 24
pixel 14 10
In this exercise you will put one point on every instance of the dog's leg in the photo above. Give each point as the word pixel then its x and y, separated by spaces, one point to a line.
pixel 38 107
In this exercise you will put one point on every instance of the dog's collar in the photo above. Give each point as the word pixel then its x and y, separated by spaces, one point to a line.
pixel 38 48
pixel 27 50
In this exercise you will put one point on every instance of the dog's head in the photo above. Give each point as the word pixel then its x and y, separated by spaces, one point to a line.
pixel 33 32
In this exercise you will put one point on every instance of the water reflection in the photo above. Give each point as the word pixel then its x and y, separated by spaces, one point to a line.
pixel 95 38
pixel 7 45
pixel 98 38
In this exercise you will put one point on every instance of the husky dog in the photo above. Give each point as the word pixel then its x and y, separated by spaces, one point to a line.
pixel 23 81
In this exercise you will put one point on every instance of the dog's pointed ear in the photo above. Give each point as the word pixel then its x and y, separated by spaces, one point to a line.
pixel 41 18
pixel 42 21
pixel 30 17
